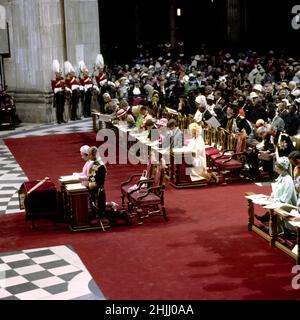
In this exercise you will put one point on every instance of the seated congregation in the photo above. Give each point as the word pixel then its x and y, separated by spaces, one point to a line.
pixel 205 121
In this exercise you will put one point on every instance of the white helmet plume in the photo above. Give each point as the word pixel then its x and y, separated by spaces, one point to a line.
pixel 81 65
pixel 55 66
pixel 99 61
pixel 68 67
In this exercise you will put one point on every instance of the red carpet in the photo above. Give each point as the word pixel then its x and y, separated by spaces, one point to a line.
pixel 203 252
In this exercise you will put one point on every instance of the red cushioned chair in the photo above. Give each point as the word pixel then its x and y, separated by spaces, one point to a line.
pixel 150 200
pixel 219 140
pixel 135 180
pixel 233 162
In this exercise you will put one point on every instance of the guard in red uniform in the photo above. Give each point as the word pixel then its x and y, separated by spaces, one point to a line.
pixel 58 88
pixel 73 85
pixel 101 80
pixel 87 84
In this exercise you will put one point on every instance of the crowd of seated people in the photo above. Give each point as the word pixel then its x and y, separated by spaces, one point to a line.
pixel 238 89
pixel 257 93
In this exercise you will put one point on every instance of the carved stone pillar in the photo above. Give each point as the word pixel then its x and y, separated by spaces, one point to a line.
pixel 40 31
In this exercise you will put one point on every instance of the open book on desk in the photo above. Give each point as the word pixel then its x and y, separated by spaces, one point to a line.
pixel 69 179
pixel 260 199
pixel 75 187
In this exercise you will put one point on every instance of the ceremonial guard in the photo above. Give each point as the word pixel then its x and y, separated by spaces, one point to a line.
pixel 58 88
pixel 72 85
pixel 87 86
pixel 101 80
pixel 99 66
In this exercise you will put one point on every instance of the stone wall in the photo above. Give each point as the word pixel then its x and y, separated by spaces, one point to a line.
pixel 40 31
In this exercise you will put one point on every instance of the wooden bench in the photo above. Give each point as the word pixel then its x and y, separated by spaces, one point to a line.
pixel 270 232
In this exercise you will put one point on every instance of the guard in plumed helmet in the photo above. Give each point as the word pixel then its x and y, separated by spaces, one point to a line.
pixel 100 73
pixel 101 79
pixel 72 85
pixel 87 85
pixel 58 88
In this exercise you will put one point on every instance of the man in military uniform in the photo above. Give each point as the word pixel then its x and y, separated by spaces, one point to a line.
pixel 87 84
pixel 96 181
pixel 73 85
pixel 58 88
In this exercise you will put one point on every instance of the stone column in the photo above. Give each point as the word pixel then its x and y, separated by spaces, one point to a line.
pixel 172 22
pixel 82 31
pixel 234 21
pixel 40 31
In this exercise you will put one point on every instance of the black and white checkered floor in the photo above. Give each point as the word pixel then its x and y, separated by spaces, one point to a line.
pixel 52 273
pixel 11 174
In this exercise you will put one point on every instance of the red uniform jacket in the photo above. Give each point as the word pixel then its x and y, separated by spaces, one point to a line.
pixel 58 83
pixel 72 82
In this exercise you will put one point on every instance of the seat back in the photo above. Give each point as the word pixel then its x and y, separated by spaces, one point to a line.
pixel 159 175
pixel 220 139
pixel 149 170
pixel 240 143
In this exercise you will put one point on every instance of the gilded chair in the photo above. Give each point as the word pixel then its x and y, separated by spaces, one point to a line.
pixel 213 144
pixel 150 200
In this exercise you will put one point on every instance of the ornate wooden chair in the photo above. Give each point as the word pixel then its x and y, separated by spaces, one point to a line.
pixel 135 181
pixel 149 201
pixel 231 161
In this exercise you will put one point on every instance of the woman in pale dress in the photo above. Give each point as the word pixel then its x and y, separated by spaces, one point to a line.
pixel 197 146
pixel 283 190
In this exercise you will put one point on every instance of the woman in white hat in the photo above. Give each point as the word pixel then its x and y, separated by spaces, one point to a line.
pixel 197 146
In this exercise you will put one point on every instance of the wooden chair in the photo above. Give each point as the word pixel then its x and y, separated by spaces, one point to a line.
pixel 150 200
pixel 231 161
pixel 135 180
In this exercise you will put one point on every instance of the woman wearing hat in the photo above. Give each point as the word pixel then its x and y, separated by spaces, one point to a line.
pixel 83 175
pixel 197 146
pixel 161 125
pixel 124 115
pixel 283 190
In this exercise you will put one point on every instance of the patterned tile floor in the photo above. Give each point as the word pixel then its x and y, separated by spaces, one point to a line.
pixel 52 273
pixel 11 174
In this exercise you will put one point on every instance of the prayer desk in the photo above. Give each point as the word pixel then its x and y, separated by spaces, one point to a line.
pixel 65 180
pixel 39 202
pixel 277 211
pixel 78 208
pixel 180 169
